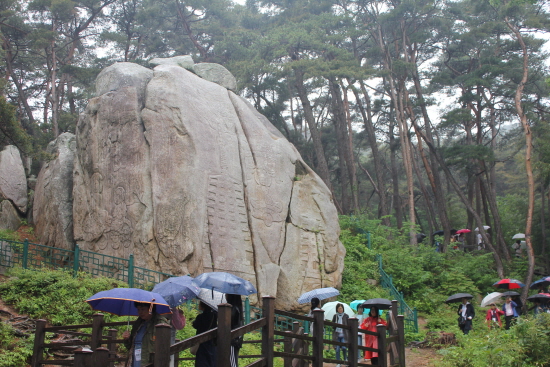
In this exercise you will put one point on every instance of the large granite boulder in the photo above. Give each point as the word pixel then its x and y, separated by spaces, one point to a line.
pixel 13 181
pixel 189 178
pixel 53 195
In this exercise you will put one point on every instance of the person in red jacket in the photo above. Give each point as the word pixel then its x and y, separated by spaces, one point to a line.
pixel 371 341
pixel 493 316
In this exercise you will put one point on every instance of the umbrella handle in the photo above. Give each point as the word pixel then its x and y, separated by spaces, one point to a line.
pixel 128 325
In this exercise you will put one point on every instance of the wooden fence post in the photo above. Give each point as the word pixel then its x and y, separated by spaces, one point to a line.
pixel 82 358
pixel 382 349
pixel 318 332
pixel 97 331
pixel 100 357
pixel 162 346
pixel 287 348
pixel 401 334
pixel 223 347
pixel 268 331
pixel 112 346
pixel 353 351
pixel 39 335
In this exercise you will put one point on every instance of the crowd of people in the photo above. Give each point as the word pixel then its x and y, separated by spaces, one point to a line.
pixel 342 335
pixel 510 311
pixel 140 340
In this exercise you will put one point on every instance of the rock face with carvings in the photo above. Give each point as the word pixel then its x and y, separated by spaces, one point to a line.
pixel 189 178
pixel 53 196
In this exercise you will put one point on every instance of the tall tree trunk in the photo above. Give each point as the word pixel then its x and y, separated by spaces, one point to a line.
pixel 528 153
pixel 431 167
pixel 543 220
pixel 321 166
pixel 342 139
pixel 394 145
pixel 377 160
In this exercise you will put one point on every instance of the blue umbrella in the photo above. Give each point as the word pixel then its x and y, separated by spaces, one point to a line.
pixel 544 282
pixel 177 290
pixel 321 293
pixel 356 303
pixel 225 283
pixel 120 301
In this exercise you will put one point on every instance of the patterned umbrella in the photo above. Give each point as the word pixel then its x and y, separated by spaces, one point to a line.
pixel 225 283
pixel 509 284
pixel 321 293
pixel 177 290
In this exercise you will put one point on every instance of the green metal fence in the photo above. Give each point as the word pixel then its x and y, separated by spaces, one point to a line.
pixel 34 256
pixel 411 314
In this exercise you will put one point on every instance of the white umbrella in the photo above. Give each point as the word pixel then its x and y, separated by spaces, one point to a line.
pixel 330 309
pixel 211 298
pixel 490 298
pixel 518 235
pixel 484 227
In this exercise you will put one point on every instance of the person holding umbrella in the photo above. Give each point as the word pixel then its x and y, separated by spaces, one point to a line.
pixel 371 341
pixel 140 342
pixel 206 353
pixel 510 312
pixel 466 313
pixel 236 302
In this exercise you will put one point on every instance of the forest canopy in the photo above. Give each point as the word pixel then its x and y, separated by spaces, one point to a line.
pixel 427 115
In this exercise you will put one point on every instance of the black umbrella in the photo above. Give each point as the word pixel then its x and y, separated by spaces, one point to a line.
pixel 380 303
pixel 458 297
pixel 420 237
pixel 510 293
pixel 441 232
pixel 539 296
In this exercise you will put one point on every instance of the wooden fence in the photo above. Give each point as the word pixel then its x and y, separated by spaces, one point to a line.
pixel 296 344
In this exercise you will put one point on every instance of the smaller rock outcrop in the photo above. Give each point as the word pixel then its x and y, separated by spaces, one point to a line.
pixel 53 199
pixel 9 219
pixel 13 181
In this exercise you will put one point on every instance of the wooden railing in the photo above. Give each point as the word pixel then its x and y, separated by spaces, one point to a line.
pixel 296 344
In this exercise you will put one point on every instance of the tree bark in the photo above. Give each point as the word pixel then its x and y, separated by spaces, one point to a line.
pixel 528 153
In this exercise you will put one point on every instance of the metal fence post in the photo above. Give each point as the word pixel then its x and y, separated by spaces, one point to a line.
pixel 131 271
pixel 415 315
pixel 246 311
pixel 25 253
pixel 368 240
pixel 76 257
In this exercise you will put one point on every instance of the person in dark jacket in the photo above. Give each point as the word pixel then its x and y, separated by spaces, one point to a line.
pixel 236 302
pixel 340 334
pixel 207 320
pixel 465 315
pixel 140 342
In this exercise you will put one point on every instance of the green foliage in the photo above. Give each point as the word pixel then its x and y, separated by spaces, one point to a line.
pixel 525 344
pixel 9 235
pixel 11 132
pixel 54 295
pixel 14 351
